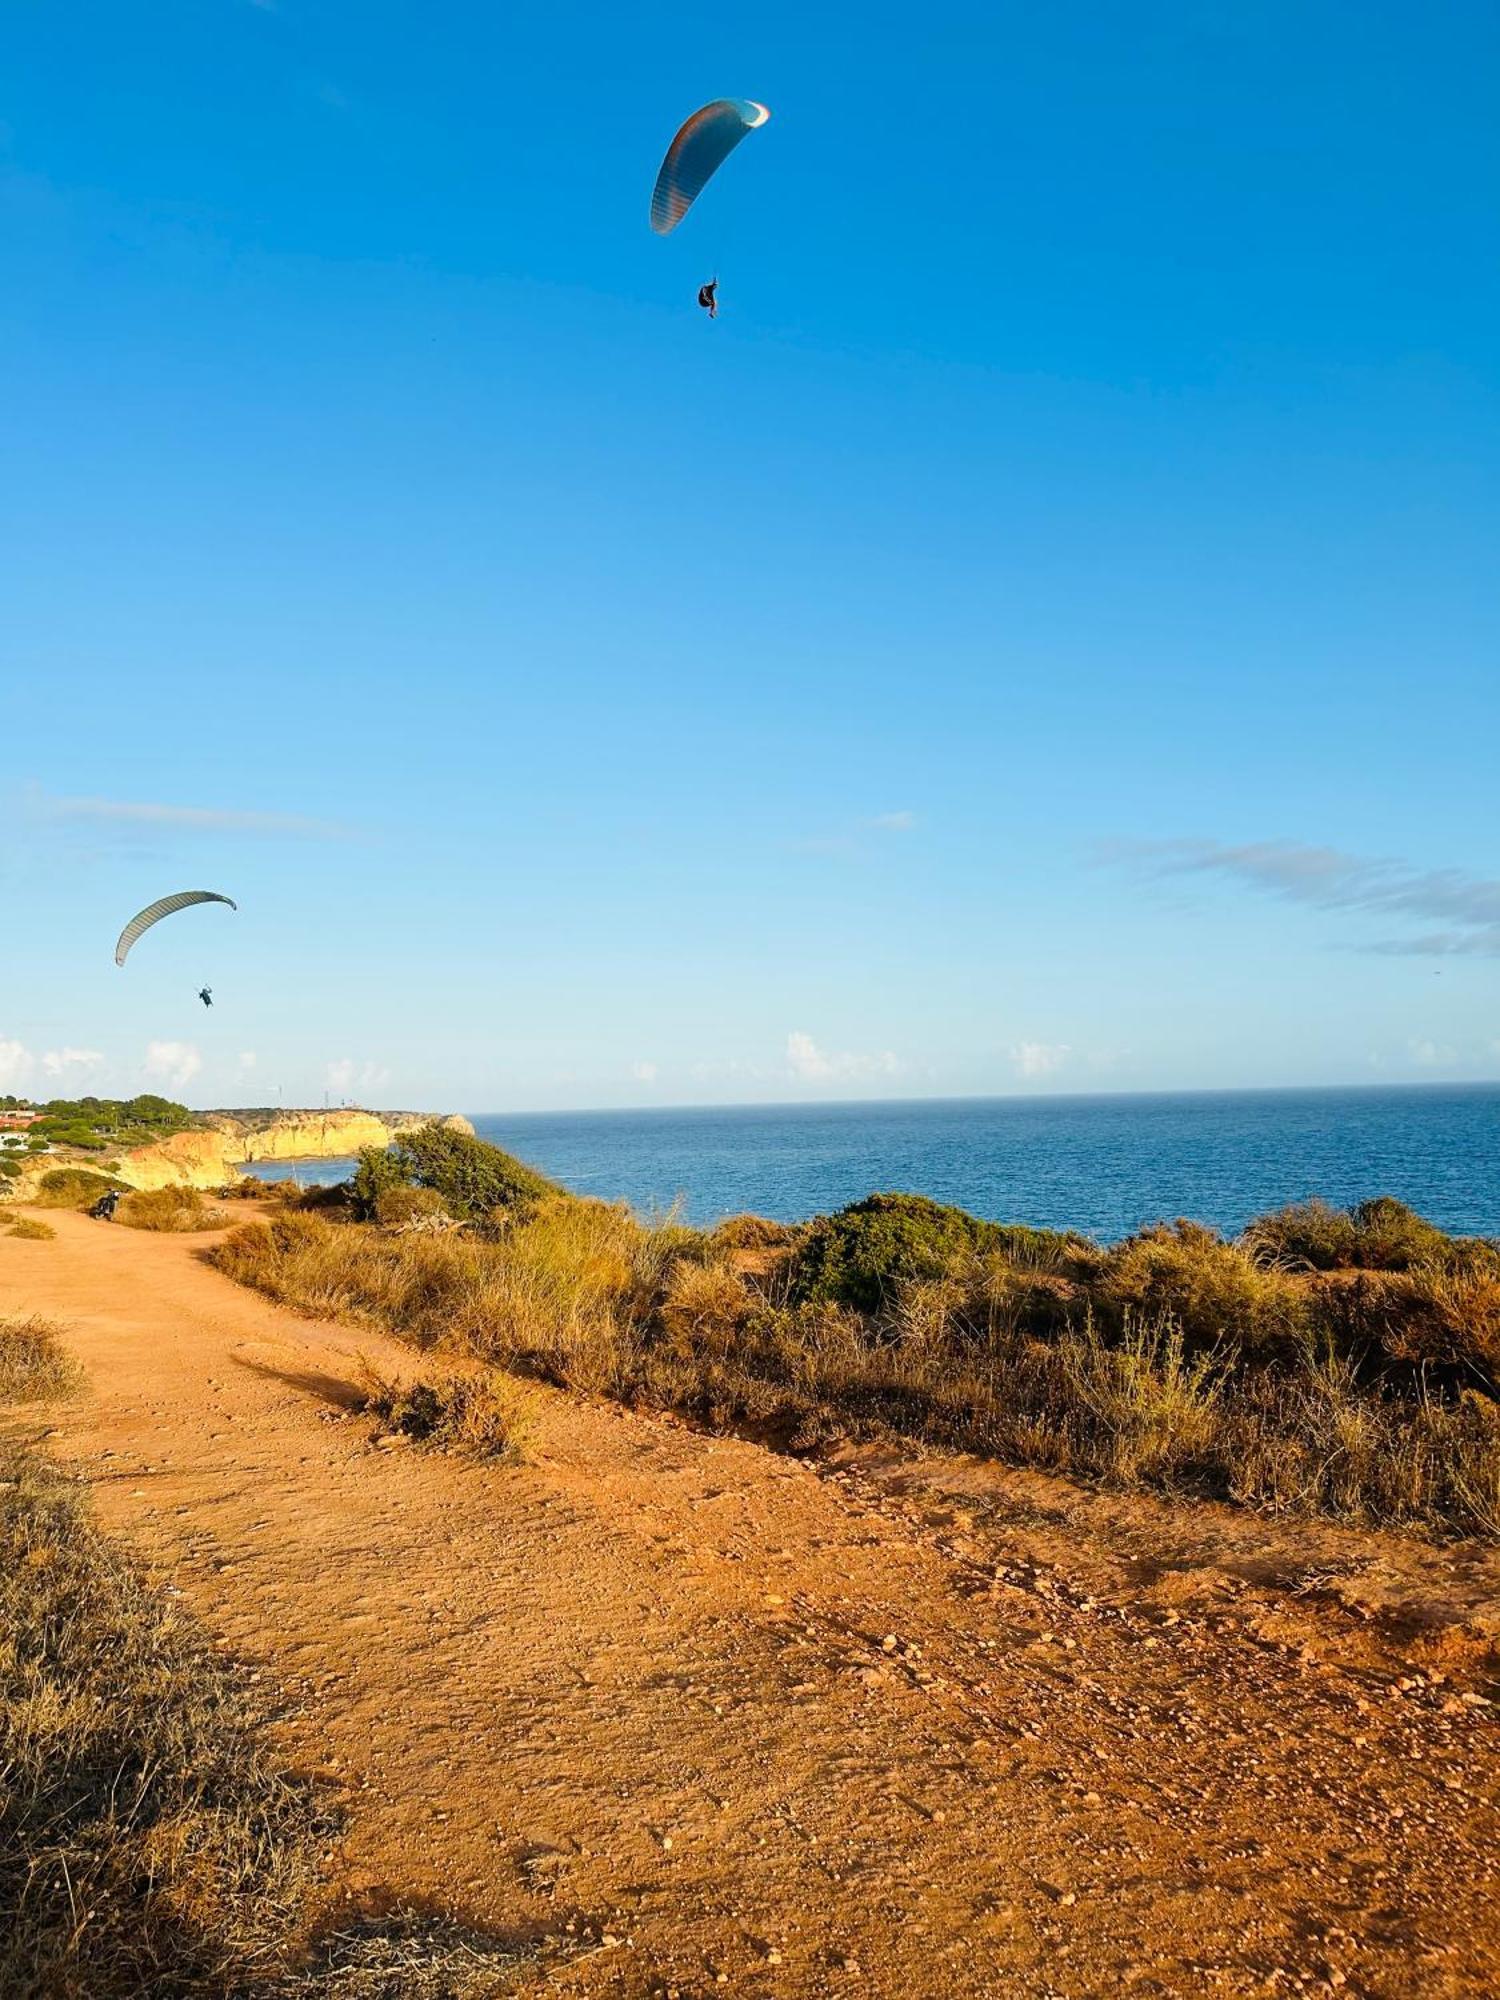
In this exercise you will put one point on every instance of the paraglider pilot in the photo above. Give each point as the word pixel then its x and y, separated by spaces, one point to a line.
pixel 708 298
pixel 205 996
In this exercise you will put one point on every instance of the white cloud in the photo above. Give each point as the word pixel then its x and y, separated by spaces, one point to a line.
pixel 1431 1055
pixel 1039 1058
pixel 347 1076
pixel 207 819
pixel 806 1060
pixel 644 1072
pixel 15 1064
pixel 804 1057
pixel 173 1062
pixel 247 1059
pixel 55 1061
pixel 895 822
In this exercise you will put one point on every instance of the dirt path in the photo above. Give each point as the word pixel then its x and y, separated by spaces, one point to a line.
pixel 884 1728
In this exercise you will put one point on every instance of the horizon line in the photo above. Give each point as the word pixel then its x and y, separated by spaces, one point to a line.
pixel 868 1103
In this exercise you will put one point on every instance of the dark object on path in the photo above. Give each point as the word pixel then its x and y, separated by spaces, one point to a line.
pixel 104 1208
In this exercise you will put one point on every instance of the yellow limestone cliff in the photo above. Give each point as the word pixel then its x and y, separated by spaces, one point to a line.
pixel 211 1155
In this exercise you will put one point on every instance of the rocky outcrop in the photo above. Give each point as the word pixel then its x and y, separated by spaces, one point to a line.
pixel 212 1154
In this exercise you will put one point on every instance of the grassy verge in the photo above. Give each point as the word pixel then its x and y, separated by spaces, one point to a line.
pixel 1334 1362
pixel 31 1231
pixel 148 1842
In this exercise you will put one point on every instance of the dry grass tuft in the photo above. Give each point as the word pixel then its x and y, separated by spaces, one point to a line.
pixel 751 1232
pixel 168 1209
pixel 404 1955
pixel 30 1230
pixel 74 1187
pixel 34 1365
pixel 471 1410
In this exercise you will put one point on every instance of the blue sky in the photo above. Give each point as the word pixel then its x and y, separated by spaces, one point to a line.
pixel 1042 637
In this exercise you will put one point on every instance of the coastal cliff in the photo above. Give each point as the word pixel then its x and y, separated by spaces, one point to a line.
pixel 212 1154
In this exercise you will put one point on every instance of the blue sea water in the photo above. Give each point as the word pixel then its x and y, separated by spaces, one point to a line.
pixel 1101 1164
pixel 1105 1165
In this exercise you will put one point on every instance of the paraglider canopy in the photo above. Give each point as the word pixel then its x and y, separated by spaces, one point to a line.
pixel 701 147
pixel 154 912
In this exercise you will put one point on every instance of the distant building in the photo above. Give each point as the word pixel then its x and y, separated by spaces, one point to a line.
pixel 17 1121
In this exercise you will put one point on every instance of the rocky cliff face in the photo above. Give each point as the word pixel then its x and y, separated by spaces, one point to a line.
pixel 207 1158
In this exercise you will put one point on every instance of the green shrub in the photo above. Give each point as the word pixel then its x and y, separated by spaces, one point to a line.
pixel 380 1171
pixel 400 1205
pixel 83 1137
pixel 75 1187
pixel 863 1255
pixel 10 1166
pixel 473 1178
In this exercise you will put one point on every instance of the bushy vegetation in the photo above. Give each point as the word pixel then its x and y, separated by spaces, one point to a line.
pixel 30 1230
pixel 862 1256
pixel 752 1232
pixel 1174 1359
pixel 409 1207
pixel 377 1172
pixel 168 1208
pixel 97 1124
pixel 35 1367
pixel 1379 1235
pixel 75 1187
pixel 473 1180
pixel 470 1410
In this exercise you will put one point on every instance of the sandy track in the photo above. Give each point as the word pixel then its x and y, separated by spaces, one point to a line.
pixel 645 1684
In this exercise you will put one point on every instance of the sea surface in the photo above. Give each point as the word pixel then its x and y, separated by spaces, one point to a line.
pixel 1104 1165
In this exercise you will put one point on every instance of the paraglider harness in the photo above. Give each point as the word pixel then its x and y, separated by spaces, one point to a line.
pixel 104 1208
pixel 708 298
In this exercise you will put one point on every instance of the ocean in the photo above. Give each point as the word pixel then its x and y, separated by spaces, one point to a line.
pixel 1104 1165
